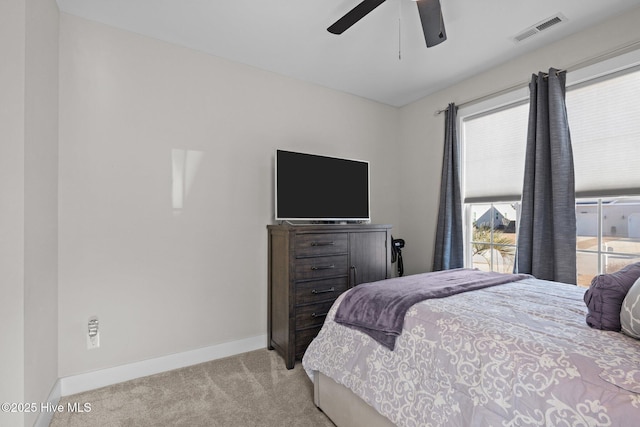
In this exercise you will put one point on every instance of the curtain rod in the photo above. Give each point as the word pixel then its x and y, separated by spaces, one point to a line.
pixel 585 63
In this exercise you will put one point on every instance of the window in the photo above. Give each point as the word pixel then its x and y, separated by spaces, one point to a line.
pixel 494 145
pixel 604 118
pixel 492 236
pixel 608 236
pixel 605 131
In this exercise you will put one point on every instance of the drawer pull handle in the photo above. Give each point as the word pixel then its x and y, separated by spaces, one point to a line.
pixel 331 289
pixel 323 243
pixel 314 315
pixel 323 267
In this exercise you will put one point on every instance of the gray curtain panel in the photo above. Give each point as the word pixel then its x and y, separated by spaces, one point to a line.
pixel 547 230
pixel 449 243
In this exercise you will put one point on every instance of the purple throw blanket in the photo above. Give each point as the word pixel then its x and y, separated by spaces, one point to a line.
pixel 378 308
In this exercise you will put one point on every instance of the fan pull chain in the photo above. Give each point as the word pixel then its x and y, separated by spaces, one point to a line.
pixel 399 40
pixel 400 30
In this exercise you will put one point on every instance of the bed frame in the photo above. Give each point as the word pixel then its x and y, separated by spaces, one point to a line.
pixel 342 406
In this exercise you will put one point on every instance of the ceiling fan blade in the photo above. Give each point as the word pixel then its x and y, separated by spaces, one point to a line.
pixel 354 15
pixel 432 22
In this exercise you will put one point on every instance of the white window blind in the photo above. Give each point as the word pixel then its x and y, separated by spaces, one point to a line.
pixel 604 120
pixel 493 154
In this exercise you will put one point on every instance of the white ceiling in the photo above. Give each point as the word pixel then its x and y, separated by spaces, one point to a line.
pixel 289 37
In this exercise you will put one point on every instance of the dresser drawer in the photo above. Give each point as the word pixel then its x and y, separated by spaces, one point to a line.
pixel 321 244
pixel 319 267
pixel 320 290
pixel 312 315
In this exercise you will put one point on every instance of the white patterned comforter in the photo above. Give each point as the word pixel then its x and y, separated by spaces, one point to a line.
pixel 518 354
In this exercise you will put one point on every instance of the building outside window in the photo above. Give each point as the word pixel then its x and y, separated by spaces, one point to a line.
pixel 493 236
pixel 608 235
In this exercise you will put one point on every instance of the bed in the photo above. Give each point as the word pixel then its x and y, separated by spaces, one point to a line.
pixel 514 354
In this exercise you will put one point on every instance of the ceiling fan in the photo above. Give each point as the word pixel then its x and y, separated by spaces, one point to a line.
pixel 430 16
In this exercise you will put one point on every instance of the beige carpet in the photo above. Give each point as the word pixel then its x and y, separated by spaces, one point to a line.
pixel 251 389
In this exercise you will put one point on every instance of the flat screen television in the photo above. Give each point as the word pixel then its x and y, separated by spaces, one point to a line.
pixel 310 187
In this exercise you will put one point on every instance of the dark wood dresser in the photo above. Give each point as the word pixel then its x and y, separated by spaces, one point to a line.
pixel 309 266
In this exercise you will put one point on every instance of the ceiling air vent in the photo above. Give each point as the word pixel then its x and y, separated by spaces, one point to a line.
pixel 540 26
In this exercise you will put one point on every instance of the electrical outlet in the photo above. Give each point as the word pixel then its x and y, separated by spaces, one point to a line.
pixel 93 333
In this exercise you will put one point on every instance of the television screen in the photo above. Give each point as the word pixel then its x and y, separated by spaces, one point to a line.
pixel 321 188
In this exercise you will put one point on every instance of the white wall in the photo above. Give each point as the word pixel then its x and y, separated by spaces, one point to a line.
pixel 422 132
pixel 161 280
pixel 41 202
pixel 28 184
pixel 12 76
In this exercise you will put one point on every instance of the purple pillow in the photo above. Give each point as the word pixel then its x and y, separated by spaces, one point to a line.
pixel 605 295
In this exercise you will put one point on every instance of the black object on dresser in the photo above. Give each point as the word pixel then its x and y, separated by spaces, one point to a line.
pixel 309 266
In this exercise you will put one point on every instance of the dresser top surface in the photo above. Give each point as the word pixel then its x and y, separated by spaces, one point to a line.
pixel 328 227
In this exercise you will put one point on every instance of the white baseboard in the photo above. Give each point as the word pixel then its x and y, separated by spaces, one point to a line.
pixel 45 417
pixel 104 377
